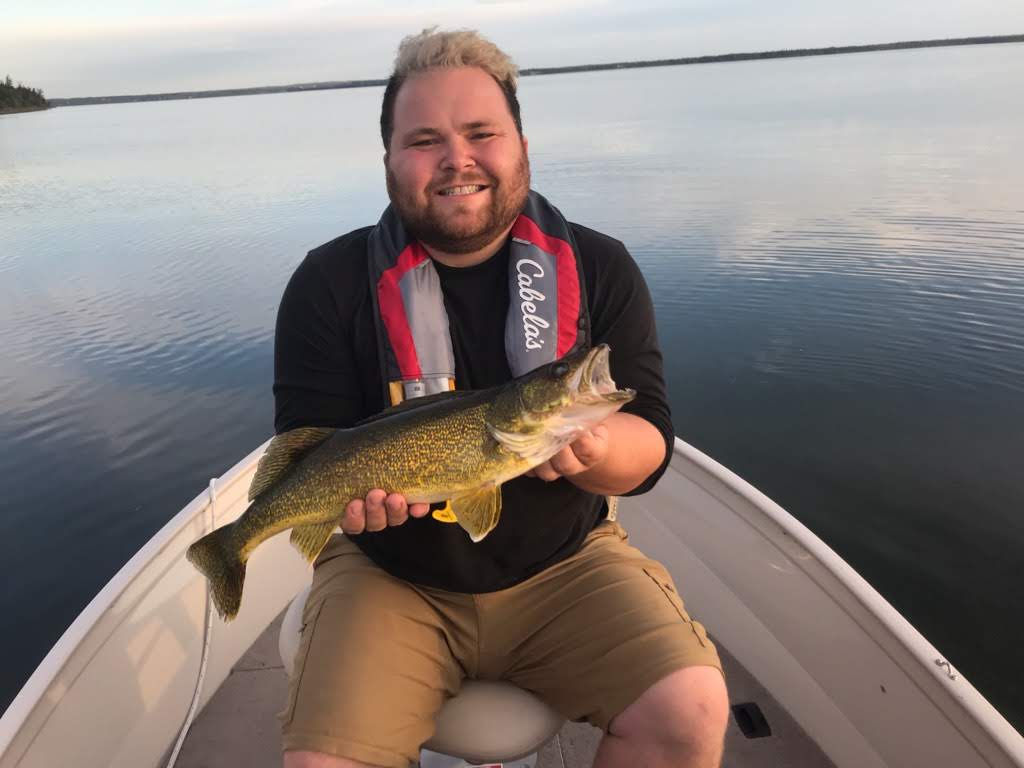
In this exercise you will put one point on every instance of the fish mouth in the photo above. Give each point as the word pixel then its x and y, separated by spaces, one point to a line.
pixel 592 381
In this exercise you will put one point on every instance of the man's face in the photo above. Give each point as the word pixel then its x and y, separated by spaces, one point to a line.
pixel 457 169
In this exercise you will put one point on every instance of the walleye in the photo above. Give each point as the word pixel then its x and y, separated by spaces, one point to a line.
pixel 459 446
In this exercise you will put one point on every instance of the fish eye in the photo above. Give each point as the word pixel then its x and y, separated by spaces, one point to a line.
pixel 558 370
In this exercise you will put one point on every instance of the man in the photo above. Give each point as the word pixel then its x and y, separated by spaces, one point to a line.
pixel 470 269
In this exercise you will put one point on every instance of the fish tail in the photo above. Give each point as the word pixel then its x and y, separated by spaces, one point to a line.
pixel 223 567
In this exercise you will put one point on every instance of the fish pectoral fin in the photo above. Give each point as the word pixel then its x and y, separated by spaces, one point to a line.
pixel 478 512
pixel 284 452
pixel 534 446
pixel 310 540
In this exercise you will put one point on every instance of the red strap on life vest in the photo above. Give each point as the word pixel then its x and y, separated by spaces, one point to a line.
pixel 392 310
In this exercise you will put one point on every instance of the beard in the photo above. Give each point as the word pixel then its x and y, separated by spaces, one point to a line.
pixel 457 235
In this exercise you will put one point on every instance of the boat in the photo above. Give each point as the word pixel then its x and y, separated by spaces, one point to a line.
pixel 822 670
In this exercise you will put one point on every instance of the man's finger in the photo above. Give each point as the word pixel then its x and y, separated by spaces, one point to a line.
pixel 354 521
pixel 591 446
pixel 397 509
pixel 546 472
pixel 376 514
pixel 566 464
pixel 418 510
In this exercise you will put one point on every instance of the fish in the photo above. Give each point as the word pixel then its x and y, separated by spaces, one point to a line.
pixel 458 446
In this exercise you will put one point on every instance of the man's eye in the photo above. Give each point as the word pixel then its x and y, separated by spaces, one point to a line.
pixel 481 135
pixel 422 143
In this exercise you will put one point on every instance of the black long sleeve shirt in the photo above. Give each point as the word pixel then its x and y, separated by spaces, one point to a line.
pixel 326 373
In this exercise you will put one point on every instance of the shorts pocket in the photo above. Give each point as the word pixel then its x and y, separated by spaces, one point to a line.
pixel 661 578
pixel 299 666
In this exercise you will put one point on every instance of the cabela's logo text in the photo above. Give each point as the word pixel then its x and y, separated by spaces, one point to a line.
pixel 527 271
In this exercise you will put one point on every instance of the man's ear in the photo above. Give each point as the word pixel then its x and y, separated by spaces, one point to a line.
pixel 526 145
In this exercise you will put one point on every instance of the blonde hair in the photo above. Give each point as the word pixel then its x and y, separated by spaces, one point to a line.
pixel 431 49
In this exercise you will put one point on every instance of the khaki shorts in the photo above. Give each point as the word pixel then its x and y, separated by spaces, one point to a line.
pixel 379 656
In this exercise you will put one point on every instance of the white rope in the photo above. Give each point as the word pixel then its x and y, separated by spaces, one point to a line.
pixel 207 635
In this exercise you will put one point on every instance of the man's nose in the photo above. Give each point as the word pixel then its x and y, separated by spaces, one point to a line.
pixel 457 155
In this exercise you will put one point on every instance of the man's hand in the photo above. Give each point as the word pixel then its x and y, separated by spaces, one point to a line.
pixel 588 450
pixel 611 459
pixel 379 511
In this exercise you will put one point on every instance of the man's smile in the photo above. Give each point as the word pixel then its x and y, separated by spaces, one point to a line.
pixel 465 189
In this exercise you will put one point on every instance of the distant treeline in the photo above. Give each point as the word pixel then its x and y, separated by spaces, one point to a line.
pixel 782 54
pixel 263 89
pixel 18 98
pixel 334 84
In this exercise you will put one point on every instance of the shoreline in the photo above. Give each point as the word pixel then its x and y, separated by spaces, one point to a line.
pixel 19 110
pixel 793 53
pixel 527 72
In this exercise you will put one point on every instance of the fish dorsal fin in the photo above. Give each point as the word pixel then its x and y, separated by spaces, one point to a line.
pixel 284 451
pixel 416 402
pixel 478 512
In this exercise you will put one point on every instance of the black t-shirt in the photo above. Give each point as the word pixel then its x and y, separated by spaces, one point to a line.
pixel 326 373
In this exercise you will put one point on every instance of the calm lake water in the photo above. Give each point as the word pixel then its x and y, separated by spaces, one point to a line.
pixel 835 247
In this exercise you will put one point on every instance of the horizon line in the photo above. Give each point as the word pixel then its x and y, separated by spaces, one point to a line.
pixel 534 71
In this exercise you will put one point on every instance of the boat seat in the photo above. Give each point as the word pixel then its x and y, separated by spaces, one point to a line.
pixel 484 722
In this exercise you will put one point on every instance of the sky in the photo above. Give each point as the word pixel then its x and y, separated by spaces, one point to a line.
pixel 114 47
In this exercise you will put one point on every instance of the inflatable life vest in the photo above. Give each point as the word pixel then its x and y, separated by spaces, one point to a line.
pixel 547 314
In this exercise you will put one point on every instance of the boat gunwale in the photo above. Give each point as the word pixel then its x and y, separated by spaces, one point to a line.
pixel 978 708
pixel 32 692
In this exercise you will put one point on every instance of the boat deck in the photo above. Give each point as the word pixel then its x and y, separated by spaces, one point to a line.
pixel 239 726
